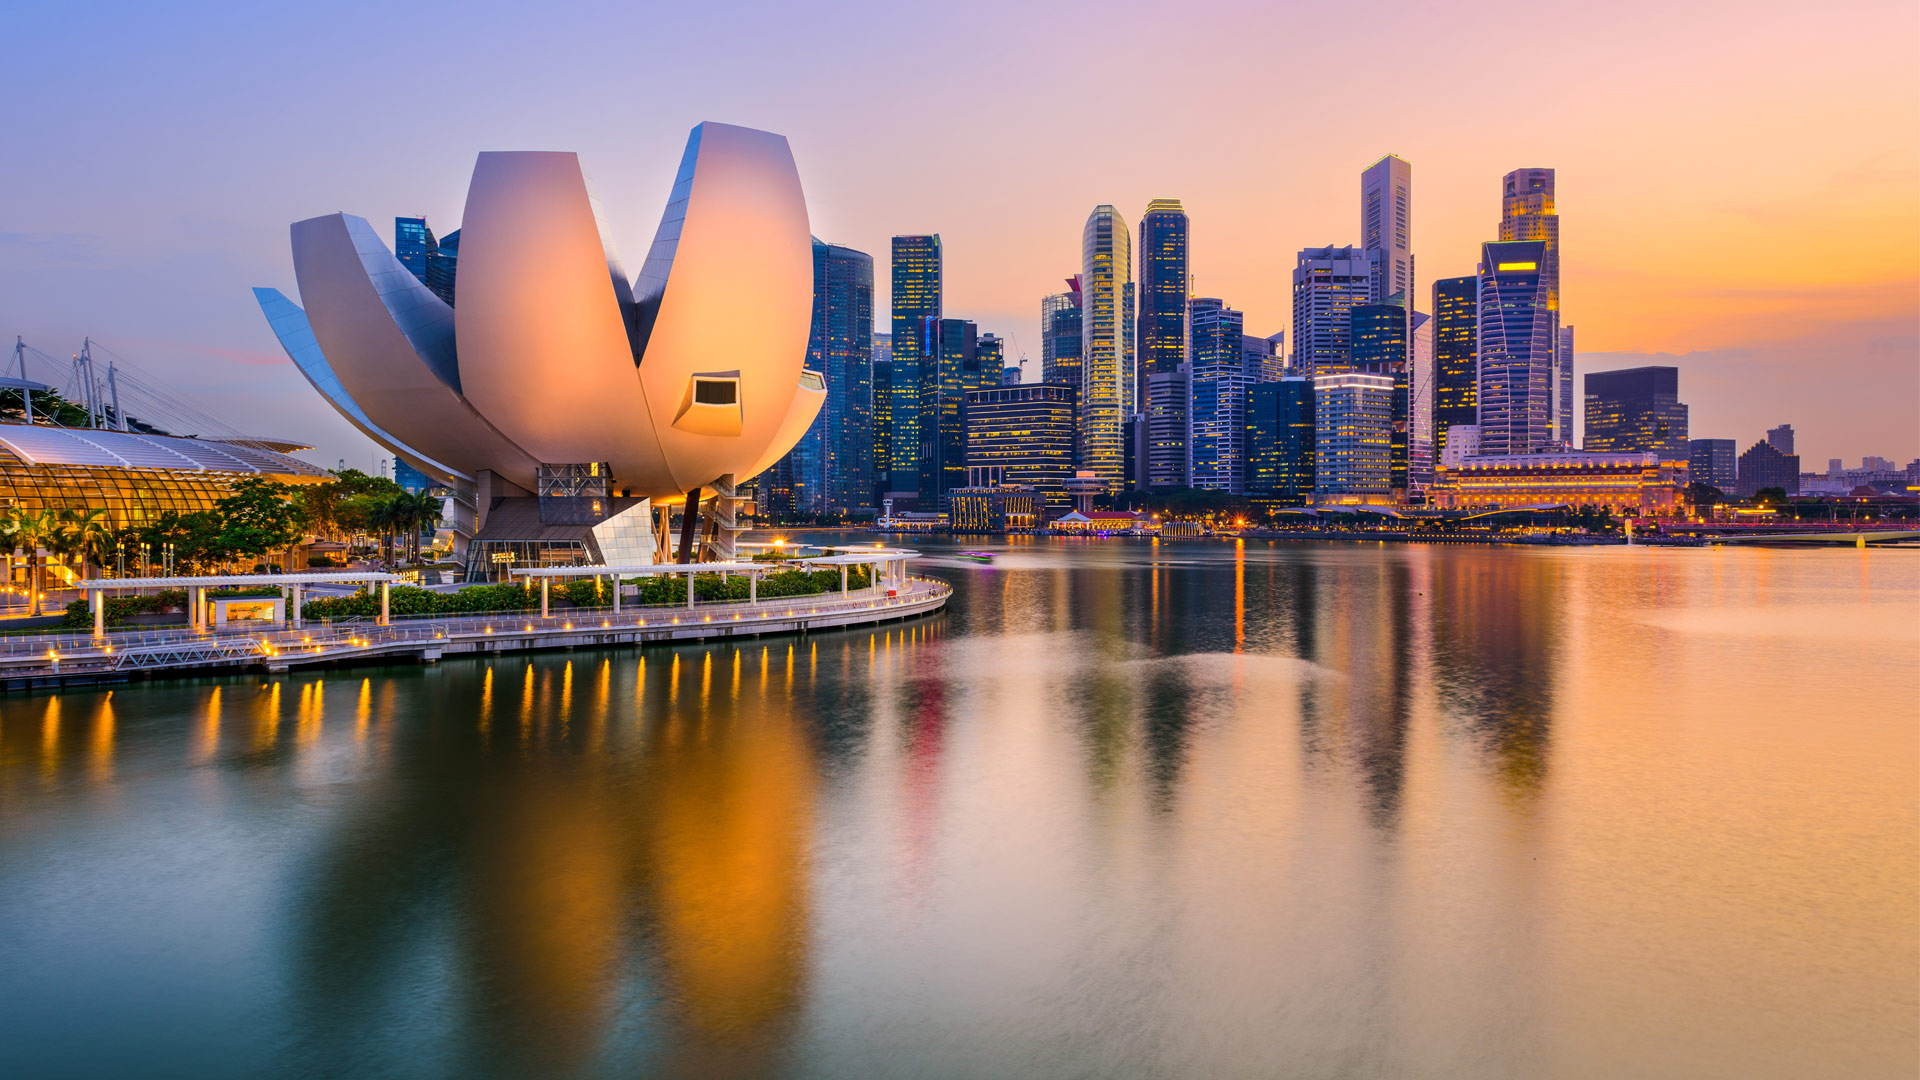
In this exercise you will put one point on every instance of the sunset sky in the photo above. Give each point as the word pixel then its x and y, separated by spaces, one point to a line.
pixel 1739 184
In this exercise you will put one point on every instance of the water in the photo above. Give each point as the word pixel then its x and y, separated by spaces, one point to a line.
pixel 1125 810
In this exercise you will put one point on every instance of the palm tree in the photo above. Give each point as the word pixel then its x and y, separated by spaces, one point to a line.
pixel 428 512
pixel 384 516
pixel 30 531
pixel 90 534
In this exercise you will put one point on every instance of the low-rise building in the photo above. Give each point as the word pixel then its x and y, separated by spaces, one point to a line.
pixel 1626 483
pixel 1002 509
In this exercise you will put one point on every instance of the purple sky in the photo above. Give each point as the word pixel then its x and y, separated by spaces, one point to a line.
pixel 1739 184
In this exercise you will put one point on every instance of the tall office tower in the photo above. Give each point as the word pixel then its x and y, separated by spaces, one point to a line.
pixel 1527 213
pixel 882 450
pixel 1060 335
pixel 830 469
pixel 1637 410
pixel 916 299
pixel 1023 435
pixel 1216 426
pixel 992 351
pixel 1711 461
pixel 954 367
pixel 1516 336
pixel 443 266
pixel 1107 397
pixel 1263 357
pixel 1386 226
pixel 1781 438
pixel 1456 352
pixel 1765 465
pixel 1328 283
pixel 1168 401
pixel 1162 333
pixel 414 245
pixel 1280 441
pixel 1380 347
pixel 1420 454
pixel 1353 438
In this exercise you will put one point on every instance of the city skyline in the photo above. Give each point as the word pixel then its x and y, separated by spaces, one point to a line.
pixel 1764 324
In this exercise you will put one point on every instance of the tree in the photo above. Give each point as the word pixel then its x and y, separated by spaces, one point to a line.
pixel 90 532
pixel 1704 496
pixel 32 530
pixel 428 513
pixel 256 517
pixel 1775 497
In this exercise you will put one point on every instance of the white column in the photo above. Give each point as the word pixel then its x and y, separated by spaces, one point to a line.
pixel 616 594
pixel 843 580
pixel 544 583
pixel 385 588
pixel 689 590
pixel 299 591
pixel 97 599
pixel 196 599
pixel 753 588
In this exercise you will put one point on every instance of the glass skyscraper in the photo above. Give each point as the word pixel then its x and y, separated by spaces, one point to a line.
pixel 916 299
pixel 1637 410
pixel 1023 435
pixel 1456 305
pixel 1060 335
pixel 1162 322
pixel 954 366
pixel 433 262
pixel 830 470
pixel 1381 347
pixel 1217 424
pixel 1280 442
pixel 1353 438
pixel 1107 397
pixel 1328 283
pixel 1516 346
pixel 1527 213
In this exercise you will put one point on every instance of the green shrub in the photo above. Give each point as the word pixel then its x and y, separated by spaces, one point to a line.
pixel 79 614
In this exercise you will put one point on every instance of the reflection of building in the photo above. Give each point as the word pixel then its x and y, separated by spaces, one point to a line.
pixel 1022 435
pixel 1280 442
pixel 1764 466
pixel 1630 483
pixel 1328 283
pixel 1106 354
pixel 1636 409
pixel 1516 349
pixel 1353 438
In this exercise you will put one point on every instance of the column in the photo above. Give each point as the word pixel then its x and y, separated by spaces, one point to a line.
pixel 689 590
pixel 385 589
pixel 97 599
pixel 545 582
pixel 616 594
pixel 843 581
pixel 753 587
pixel 299 591
pixel 195 601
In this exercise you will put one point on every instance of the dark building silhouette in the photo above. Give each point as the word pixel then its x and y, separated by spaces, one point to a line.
pixel 1764 466
pixel 1637 410
pixel 1280 442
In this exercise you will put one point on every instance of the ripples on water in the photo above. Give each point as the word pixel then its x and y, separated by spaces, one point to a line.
pixel 1125 810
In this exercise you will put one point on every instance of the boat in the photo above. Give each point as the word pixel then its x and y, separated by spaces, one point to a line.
pixel 977 556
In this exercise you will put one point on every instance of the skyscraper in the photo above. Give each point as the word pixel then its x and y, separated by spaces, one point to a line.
pixel 1162 321
pixel 1386 226
pixel 882 450
pixel 1280 441
pixel 1781 438
pixel 952 367
pixel 916 299
pixel 1060 335
pixel 1353 438
pixel 414 245
pixel 1022 435
pixel 1328 283
pixel 1380 347
pixel 1516 339
pixel 443 267
pixel 1711 462
pixel 1527 213
pixel 1637 410
pixel 1265 357
pixel 1169 401
pixel 1420 380
pixel 830 470
pixel 1456 304
pixel 1217 423
pixel 1107 397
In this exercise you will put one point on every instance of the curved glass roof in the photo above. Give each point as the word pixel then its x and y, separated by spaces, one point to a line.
pixel 37 445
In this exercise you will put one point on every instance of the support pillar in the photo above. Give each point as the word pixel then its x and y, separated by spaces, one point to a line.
pixel 97 599
pixel 385 589
pixel 196 602
pixel 545 584
pixel 689 524
pixel 753 588
pixel 843 580
pixel 299 591
pixel 689 590
pixel 616 594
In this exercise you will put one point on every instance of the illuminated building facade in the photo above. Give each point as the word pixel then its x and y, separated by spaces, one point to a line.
pixel 1023 435
pixel 1386 226
pixel 1764 466
pixel 432 262
pixel 1107 395
pixel 1637 484
pixel 1280 442
pixel 1265 357
pixel 1060 335
pixel 1328 283
pixel 1527 213
pixel 1456 305
pixel 1169 399
pixel 881 451
pixel 917 269
pixel 1000 508
pixel 830 470
pixel 1635 410
pixel 1353 438
pixel 1713 462
pixel 1381 347
pixel 1516 343
pixel 952 369
pixel 1217 422
pixel 1162 333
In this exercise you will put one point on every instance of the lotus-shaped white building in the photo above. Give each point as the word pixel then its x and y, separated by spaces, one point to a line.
pixel 553 363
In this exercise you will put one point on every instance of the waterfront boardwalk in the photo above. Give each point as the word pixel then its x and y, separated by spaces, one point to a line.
pixel 49 660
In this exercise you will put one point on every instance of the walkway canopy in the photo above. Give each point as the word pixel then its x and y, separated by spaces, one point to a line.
pixel 753 571
pixel 96 589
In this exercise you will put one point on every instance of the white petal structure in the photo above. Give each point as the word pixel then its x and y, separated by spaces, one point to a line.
pixel 694 373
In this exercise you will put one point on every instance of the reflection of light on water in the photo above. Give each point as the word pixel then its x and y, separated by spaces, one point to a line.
pixel 210 728
pixel 101 758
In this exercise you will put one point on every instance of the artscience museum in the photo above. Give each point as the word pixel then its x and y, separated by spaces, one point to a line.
pixel 576 413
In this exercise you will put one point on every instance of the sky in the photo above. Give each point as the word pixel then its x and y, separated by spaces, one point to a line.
pixel 1738 184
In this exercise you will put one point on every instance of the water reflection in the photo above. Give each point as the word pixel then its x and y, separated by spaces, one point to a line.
pixel 1240 810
